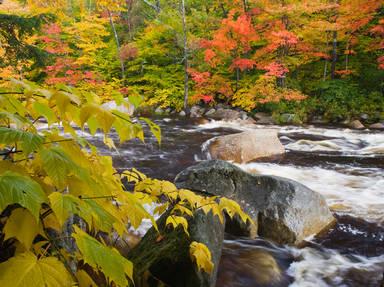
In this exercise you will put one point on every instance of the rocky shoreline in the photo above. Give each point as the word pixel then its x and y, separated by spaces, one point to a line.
pixel 227 113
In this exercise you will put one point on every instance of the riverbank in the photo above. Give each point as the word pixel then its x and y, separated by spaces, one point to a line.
pixel 227 113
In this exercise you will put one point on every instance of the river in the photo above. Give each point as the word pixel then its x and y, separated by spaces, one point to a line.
pixel 346 166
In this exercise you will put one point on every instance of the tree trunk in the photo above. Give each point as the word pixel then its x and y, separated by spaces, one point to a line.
pixel 122 67
pixel 186 77
pixel 245 4
pixel 325 72
pixel 334 54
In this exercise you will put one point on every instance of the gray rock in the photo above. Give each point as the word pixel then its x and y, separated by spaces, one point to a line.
pixel 377 126
pixel 284 210
pixel 196 112
pixel 356 124
pixel 168 258
pixel 182 114
pixel 264 119
pixel 168 111
pixel 225 115
pixel 247 146
pixel 243 116
pixel 364 117
pixel 318 120
pixel 210 112
pixel 159 111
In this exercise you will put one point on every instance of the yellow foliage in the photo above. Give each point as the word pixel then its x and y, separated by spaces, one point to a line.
pixel 202 256
pixel 23 226
pixel 175 221
pixel 70 177
pixel 25 270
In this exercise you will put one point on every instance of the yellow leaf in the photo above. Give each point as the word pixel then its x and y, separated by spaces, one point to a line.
pixel 201 255
pixel 175 221
pixel 109 143
pixel 23 226
pixel 188 196
pixel 183 209
pixel 232 208
pixel 84 279
pixel 134 175
pixel 25 270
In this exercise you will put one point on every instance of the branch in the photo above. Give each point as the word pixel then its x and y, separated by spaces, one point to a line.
pixel 153 6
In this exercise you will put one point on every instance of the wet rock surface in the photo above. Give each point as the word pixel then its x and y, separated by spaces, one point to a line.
pixel 169 262
pixel 283 210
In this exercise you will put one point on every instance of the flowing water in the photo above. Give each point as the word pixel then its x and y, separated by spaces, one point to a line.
pixel 346 166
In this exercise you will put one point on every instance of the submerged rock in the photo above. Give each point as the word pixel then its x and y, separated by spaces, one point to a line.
pixel 247 146
pixel 283 210
pixel 165 256
pixel 257 266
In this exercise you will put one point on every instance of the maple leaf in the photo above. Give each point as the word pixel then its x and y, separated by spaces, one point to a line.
pixel 202 256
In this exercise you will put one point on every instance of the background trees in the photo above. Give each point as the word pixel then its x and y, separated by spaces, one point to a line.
pixel 251 54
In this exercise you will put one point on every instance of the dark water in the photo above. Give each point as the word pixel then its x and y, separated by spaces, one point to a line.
pixel 347 167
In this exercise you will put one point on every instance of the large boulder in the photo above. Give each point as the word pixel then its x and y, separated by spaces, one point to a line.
pixel 247 146
pixel 283 210
pixel 224 114
pixel 165 255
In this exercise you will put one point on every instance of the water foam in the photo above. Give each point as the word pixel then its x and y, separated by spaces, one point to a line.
pixel 355 191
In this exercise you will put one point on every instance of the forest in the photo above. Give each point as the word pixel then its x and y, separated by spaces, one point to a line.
pixel 91 89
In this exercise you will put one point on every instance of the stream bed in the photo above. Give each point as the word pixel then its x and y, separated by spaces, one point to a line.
pixel 346 166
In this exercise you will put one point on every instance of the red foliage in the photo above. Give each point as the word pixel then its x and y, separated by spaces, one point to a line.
pixel 234 37
pixel 52 29
pixel 275 69
pixel 380 61
pixel 242 64
pixel 128 52
pixel 322 55
pixel 200 78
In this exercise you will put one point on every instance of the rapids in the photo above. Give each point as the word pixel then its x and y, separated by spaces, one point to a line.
pixel 346 166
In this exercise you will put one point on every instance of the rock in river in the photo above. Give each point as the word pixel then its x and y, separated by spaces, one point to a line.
pixel 247 146
pixel 284 210
pixel 224 114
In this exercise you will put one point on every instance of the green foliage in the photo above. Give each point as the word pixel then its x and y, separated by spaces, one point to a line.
pixel 18 189
pixel 336 100
pixel 103 258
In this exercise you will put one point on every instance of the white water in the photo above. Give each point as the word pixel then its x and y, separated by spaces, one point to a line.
pixel 330 268
pixel 357 195
pixel 345 141
pixel 348 189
